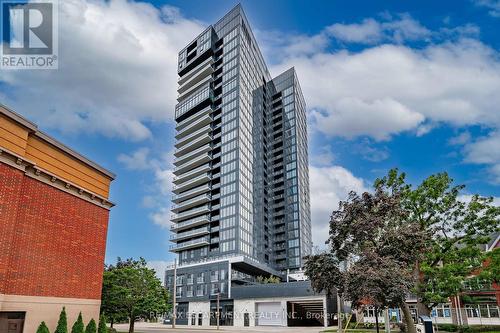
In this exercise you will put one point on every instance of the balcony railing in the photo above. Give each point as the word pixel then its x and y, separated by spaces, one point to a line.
pixel 190 223
pixel 193 135
pixel 191 212
pixel 202 121
pixel 190 244
pixel 182 159
pixel 189 234
pixel 198 199
pixel 189 174
pixel 196 181
pixel 186 195
pixel 205 157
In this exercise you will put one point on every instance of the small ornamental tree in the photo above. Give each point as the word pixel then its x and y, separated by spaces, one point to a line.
pixel 42 328
pixel 62 324
pixel 371 233
pixel 102 324
pixel 133 290
pixel 91 327
pixel 78 326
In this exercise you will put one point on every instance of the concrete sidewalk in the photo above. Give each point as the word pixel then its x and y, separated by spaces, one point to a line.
pixel 155 328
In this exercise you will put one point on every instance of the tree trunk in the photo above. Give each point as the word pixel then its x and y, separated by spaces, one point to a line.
pixel 376 319
pixel 423 309
pixel 410 325
pixel 112 321
pixel 131 326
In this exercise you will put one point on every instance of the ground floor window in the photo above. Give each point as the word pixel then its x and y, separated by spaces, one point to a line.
pixel 442 311
pixel 369 312
pixel 482 311
pixel 12 321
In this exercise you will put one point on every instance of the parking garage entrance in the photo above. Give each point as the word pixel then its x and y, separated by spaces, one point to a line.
pixel 305 313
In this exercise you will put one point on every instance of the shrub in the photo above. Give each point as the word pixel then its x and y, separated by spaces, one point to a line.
pixel 91 327
pixel 42 328
pixel 62 324
pixel 78 325
pixel 102 324
pixel 448 327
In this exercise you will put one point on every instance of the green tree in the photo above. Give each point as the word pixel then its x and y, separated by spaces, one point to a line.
pixel 62 324
pixel 267 280
pixel 91 327
pixel 78 326
pixel 134 289
pixel 491 270
pixel 42 328
pixel 458 226
pixel 102 324
pixel 373 250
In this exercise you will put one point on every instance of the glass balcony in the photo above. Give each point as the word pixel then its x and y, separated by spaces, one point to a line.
pixel 184 158
pixel 187 139
pixel 191 193
pixel 200 220
pixel 189 234
pixel 190 213
pixel 191 203
pixel 181 124
pixel 194 144
pixel 192 163
pixel 194 126
pixel 193 173
pixel 196 181
pixel 198 242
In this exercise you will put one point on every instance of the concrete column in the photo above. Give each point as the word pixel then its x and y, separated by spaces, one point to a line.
pixel 284 320
pixel 325 313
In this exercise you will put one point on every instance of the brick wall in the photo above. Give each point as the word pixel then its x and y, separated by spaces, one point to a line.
pixel 55 241
pixel 10 186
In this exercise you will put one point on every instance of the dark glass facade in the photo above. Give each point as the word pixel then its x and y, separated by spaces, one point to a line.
pixel 241 186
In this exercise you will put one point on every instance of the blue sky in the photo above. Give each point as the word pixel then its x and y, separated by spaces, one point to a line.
pixel 407 84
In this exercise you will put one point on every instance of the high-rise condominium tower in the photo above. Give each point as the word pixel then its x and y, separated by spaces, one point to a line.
pixel 241 187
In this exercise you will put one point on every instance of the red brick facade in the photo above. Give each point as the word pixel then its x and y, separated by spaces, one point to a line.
pixel 52 243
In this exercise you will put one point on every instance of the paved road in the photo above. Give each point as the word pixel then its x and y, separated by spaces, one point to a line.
pixel 158 328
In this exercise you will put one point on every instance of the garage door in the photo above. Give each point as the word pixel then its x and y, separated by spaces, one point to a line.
pixel 269 314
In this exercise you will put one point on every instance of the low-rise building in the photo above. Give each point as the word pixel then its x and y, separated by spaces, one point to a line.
pixel 54 212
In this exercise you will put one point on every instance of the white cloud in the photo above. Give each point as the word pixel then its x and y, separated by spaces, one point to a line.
pixel 370 153
pixel 368 31
pixel 160 267
pixel 486 151
pixel 117 69
pixel 158 197
pixel 324 156
pixel 493 6
pixel 329 185
pixel 138 160
pixel 460 139
pixel 388 89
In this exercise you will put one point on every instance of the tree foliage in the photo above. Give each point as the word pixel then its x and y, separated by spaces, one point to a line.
pixel 267 280
pixel 78 326
pixel 62 323
pixel 42 328
pixel 102 324
pixel 372 250
pixel 132 289
pixel 399 239
pixel 91 327
pixel 458 226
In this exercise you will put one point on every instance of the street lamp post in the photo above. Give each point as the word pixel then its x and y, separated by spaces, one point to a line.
pixel 174 298
pixel 217 313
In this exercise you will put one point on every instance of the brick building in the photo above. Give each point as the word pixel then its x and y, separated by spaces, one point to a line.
pixel 54 212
